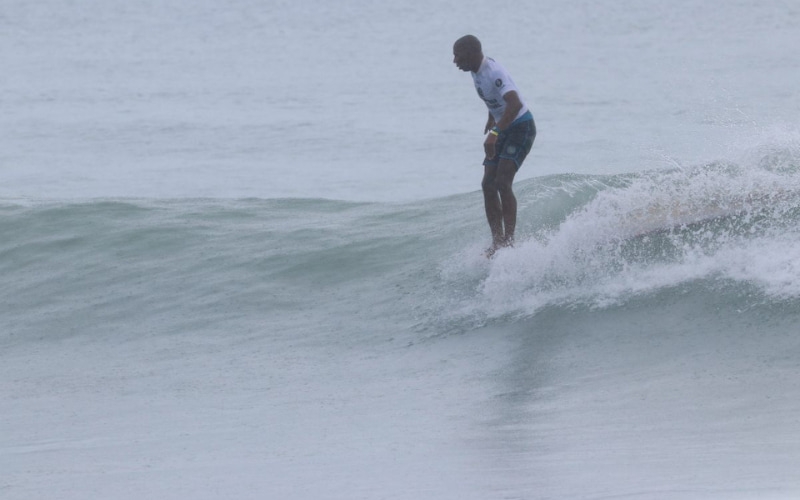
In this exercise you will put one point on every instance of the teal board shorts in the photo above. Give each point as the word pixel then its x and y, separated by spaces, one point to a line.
pixel 515 142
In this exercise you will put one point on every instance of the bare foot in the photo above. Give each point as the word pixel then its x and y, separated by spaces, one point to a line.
pixel 489 252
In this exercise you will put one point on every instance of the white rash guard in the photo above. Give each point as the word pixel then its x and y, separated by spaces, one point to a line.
pixel 492 82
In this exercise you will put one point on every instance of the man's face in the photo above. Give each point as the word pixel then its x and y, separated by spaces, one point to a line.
pixel 463 58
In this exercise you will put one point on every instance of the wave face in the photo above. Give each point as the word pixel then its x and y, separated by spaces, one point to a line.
pixel 639 319
pixel 583 241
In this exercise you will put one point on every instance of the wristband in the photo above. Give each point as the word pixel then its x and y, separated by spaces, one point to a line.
pixel 494 132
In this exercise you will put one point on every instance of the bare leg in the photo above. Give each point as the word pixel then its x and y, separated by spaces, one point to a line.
pixel 503 180
pixel 493 205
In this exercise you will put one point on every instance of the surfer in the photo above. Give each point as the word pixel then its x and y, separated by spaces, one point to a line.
pixel 510 133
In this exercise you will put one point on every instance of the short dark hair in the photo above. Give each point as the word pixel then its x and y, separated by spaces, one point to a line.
pixel 469 42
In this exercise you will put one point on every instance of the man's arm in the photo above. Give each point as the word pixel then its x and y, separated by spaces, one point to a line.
pixel 513 105
pixel 489 123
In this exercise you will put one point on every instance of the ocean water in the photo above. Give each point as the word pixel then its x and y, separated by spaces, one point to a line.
pixel 241 249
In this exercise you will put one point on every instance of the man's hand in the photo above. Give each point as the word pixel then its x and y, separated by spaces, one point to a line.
pixel 489 146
